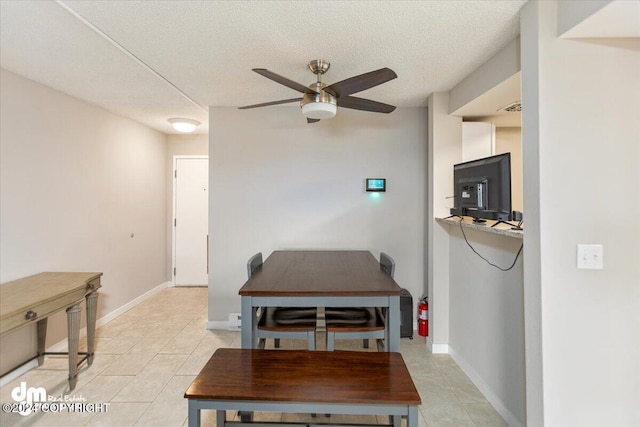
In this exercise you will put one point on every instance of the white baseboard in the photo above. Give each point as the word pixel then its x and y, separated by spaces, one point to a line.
pixel 61 346
pixel 19 371
pixel 128 306
pixel 484 388
pixel 218 324
pixel 437 348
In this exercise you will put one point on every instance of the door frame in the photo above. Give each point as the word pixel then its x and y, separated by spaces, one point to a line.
pixel 173 211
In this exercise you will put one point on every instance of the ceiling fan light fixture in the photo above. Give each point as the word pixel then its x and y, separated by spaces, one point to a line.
pixel 319 110
pixel 184 125
pixel 319 106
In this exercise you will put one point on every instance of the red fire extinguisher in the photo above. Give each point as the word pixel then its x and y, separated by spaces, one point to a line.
pixel 423 318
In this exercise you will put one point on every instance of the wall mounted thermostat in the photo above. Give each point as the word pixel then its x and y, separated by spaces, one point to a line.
pixel 376 184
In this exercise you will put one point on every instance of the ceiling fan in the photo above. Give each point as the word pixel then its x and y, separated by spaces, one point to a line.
pixel 320 101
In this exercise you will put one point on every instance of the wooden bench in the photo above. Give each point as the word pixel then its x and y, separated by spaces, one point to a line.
pixel 357 383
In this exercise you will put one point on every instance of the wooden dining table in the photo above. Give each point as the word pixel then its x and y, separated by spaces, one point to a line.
pixel 320 278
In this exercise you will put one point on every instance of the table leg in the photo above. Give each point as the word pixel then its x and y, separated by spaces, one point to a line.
pixel 221 417
pixel 249 327
pixel 92 305
pixel 73 330
pixel 42 338
pixel 412 418
pixel 393 321
pixel 249 339
pixel 194 414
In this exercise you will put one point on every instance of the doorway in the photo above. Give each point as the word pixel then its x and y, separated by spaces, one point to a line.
pixel 190 220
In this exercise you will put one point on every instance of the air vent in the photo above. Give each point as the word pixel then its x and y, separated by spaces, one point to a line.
pixel 512 108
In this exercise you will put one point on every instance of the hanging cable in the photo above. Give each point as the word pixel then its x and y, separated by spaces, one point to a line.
pixel 488 262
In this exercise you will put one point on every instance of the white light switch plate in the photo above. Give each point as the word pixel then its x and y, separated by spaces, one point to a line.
pixel 591 257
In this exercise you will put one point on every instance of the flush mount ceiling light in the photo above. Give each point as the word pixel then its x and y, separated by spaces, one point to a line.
pixel 184 125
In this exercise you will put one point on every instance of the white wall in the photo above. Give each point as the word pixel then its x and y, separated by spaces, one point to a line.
pixel 486 335
pixel 476 311
pixel 509 140
pixel 444 150
pixel 500 67
pixel 190 145
pixel 277 182
pixel 76 182
pixel 581 131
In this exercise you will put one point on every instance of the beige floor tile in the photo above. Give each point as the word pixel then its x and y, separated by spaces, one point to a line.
pixel 483 414
pixel 129 364
pixel 117 345
pixel 194 363
pixel 201 355
pixel 165 364
pixel 137 331
pixel 71 419
pixel 119 415
pixel 170 407
pixel 196 328
pixel 453 374
pixel 16 420
pixel 423 369
pixel 467 392
pixel 168 331
pixel 103 388
pixel 149 344
pixel 144 387
pixel 55 363
pixel 148 384
pixel 112 329
pixel 87 373
pixel 436 395
pixel 450 415
pixel 147 358
pixel 182 344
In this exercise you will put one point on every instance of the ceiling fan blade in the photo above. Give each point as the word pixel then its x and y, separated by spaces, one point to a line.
pixel 283 80
pixel 364 105
pixel 266 104
pixel 312 120
pixel 361 82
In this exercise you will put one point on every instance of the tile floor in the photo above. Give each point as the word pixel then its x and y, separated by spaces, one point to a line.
pixel 147 358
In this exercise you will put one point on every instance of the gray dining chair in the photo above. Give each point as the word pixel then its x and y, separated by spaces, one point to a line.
pixel 359 322
pixel 283 322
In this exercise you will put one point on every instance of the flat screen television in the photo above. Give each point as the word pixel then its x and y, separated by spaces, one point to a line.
pixel 483 188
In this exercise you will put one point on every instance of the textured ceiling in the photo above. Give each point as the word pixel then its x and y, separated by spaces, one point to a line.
pixel 151 60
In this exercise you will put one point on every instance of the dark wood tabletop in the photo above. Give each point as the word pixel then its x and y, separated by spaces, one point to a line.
pixel 305 376
pixel 327 273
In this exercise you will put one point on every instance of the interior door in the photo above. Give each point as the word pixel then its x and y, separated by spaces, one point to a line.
pixel 191 222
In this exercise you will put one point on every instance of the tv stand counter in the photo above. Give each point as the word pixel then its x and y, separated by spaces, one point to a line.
pixel 501 229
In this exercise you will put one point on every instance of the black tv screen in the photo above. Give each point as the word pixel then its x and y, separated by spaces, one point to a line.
pixel 483 188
